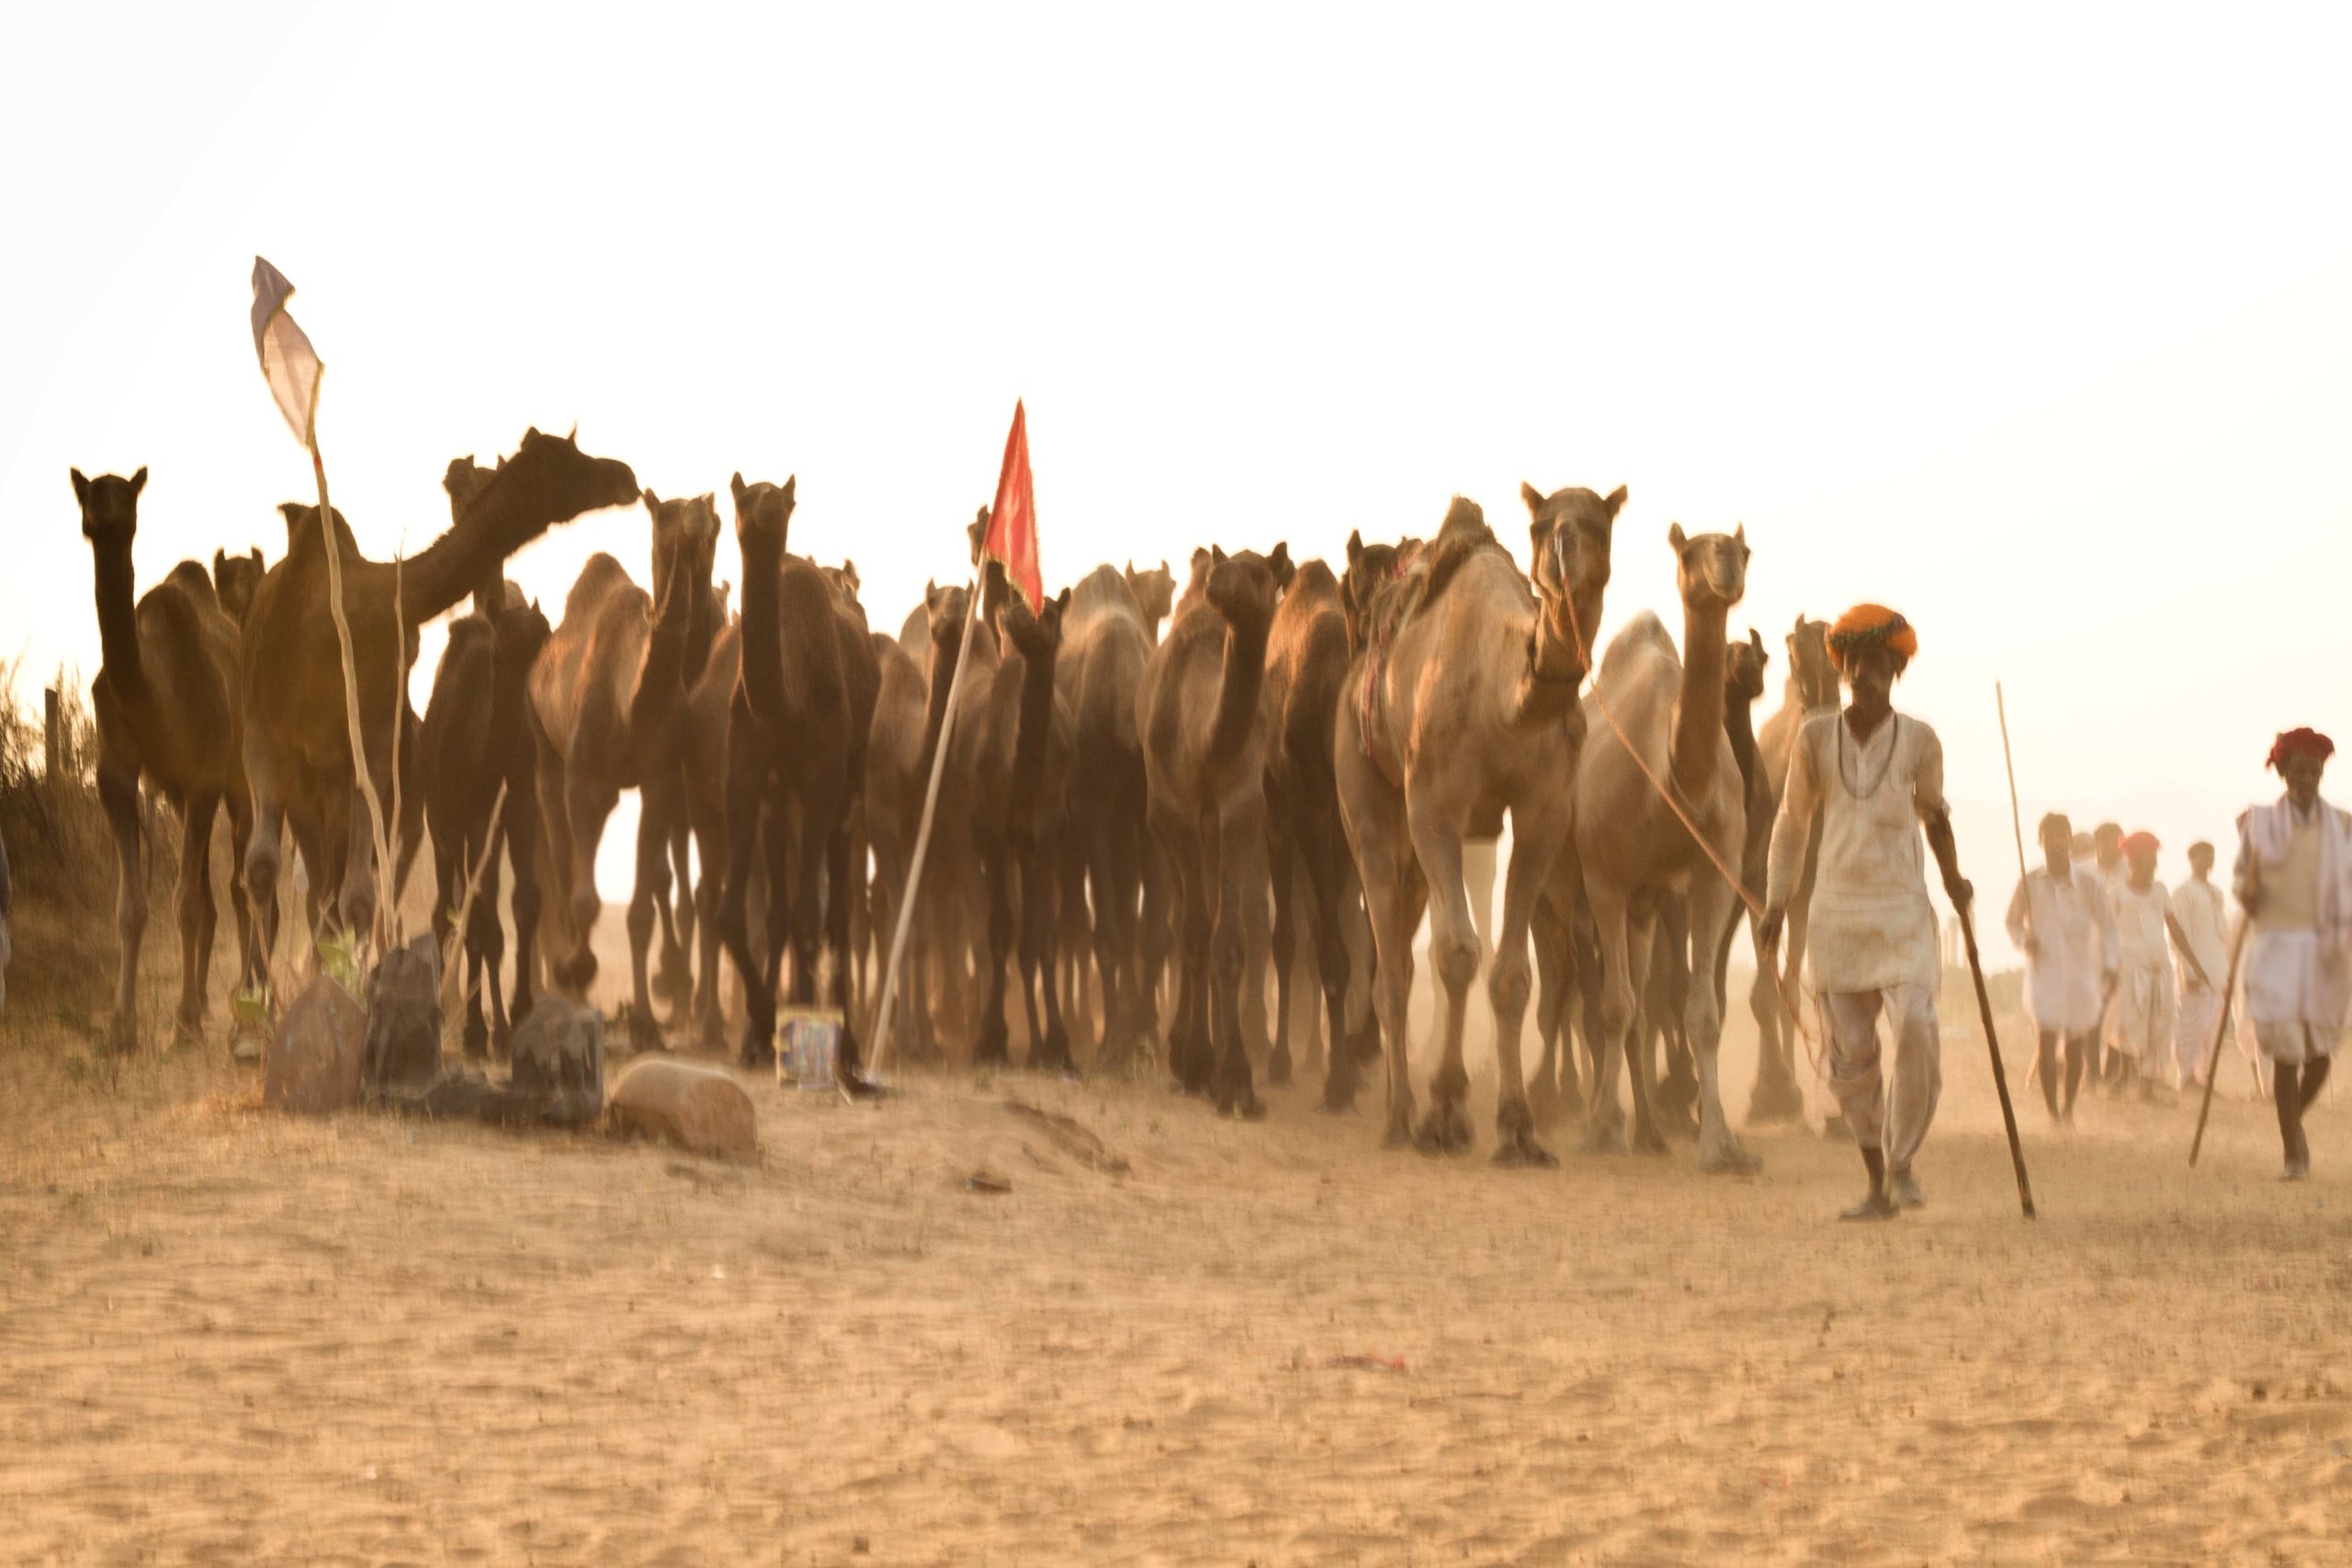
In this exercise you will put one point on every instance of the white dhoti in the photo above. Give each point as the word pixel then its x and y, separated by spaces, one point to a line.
pixel 1887 1111
pixel 2196 1015
pixel 2143 1023
pixel 2297 986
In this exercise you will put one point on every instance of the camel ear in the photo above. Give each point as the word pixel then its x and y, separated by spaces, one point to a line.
pixel 1676 537
pixel 1355 545
pixel 220 564
pixel 791 484
pixel 1530 494
pixel 1061 601
pixel 1756 641
pixel 81 488
pixel 652 502
pixel 257 555
pixel 736 488
pixel 1279 558
pixel 1216 555
pixel 1739 535
pixel 1615 502
pixel 139 479
pixel 291 510
pixel 530 433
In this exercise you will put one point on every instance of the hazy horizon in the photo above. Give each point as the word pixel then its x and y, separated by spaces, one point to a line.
pixel 2039 328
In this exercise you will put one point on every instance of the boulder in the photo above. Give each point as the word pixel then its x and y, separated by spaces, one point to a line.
pixel 317 1053
pixel 405 1020
pixel 686 1105
pixel 558 1061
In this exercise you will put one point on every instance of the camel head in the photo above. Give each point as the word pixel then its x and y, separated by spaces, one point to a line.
pixel 1245 588
pixel 461 479
pixel 522 631
pixel 236 579
pixel 302 523
pixel 1197 578
pixel 844 580
pixel 110 505
pixel 1744 669
pixel 1155 591
pixel 1710 569
pixel 686 542
pixel 561 480
pixel 1371 568
pixel 1570 531
pixel 1037 636
pixel 764 516
pixel 1810 670
pixel 948 606
pixel 976 530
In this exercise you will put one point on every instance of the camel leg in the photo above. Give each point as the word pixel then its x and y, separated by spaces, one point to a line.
pixel 520 828
pixel 258 869
pixel 1372 816
pixel 1454 952
pixel 1255 906
pixel 1115 937
pixel 1543 933
pixel 1239 846
pixel 1161 932
pixel 841 847
pixel 1534 844
pixel 1478 886
pixel 1073 945
pixel 709 840
pixel 1605 1126
pixel 647 900
pixel 118 794
pixel 746 778
pixel 241 829
pixel 555 828
pixel 1641 949
pixel 1189 1054
pixel 1048 1052
pixel 1325 853
pixel 1719 1149
pixel 993 1047
pixel 486 949
pixel 197 911
pixel 587 806
pixel 1280 856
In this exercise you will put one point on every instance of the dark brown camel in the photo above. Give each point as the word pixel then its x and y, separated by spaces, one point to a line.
pixel 234 580
pixel 298 748
pixel 1306 670
pixel 796 758
pixel 608 700
pixel 168 712
pixel 895 783
pixel 709 701
pixel 1812 689
pixel 1205 750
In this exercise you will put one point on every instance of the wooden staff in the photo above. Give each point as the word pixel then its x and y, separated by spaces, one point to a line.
pixel 2214 1073
pixel 2000 1075
pixel 2017 828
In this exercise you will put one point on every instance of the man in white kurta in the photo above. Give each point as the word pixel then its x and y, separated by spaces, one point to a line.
pixel 2198 917
pixel 1876 776
pixel 2144 1022
pixel 2063 922
pixel 2294 878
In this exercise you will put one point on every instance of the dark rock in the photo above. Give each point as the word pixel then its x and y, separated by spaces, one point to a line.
pixel 559 1060
pixel 405 1020
pixel 316 1056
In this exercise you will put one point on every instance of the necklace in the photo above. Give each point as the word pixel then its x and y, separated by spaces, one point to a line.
pixel 1894 723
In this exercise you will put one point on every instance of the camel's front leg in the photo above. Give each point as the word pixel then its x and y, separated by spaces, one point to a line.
pixel 1719 1150
pixel 1536 844
pixel 648 896
pixel 1605 1127
pixel 1454 951
pixel 1240 839
pixel 118 794
pixel 197 912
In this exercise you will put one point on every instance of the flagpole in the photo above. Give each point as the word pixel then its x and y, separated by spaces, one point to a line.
pixel 350 671
pixel 922 839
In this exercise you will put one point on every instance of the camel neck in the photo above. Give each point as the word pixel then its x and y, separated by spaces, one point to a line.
pixel 1036 727
pixel 944 654
pixel 118 614
pixel 1739 729
pixel 762 633
pixel 1243 676
pixel 1555 658
pixel 1699 713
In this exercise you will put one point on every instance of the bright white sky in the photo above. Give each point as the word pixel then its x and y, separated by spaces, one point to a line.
pixel 2036 325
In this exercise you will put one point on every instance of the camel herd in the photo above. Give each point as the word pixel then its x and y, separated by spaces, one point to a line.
pixel 1149 800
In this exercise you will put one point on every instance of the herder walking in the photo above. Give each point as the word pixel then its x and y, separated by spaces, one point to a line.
pixel 2294 878
pixel 2063 922
pixel 1876 776
pixel 2198 919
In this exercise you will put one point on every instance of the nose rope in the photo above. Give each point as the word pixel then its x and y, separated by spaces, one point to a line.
pixel 1755 905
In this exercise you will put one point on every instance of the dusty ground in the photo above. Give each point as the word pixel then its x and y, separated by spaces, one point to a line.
pixel 227 1337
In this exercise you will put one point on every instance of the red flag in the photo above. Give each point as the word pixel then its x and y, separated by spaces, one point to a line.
pixel 1012 521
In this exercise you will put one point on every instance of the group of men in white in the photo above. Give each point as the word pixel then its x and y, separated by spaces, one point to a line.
pixel 2128 980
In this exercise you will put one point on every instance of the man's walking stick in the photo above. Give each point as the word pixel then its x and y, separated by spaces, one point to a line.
pixel 2214 1073
pixel 2000 1075
pixel 2016 828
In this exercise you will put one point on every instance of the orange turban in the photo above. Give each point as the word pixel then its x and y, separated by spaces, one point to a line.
pixel 2140 844
pixel 2303 743
pixel 1867 623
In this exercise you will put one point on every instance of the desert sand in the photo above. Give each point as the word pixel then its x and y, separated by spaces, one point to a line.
pixel 227 1336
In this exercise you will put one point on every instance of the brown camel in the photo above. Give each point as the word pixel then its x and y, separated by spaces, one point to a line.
pixel 169 712
pixel 1463 706
pixel 1204 753
pixel 895 783
pixel 1154 592
pixel 474 743
pixel 234 580
pixel 708 702
pixel 1812 690
pixel 1306 671
pixel 1634 851
pixel 1106 642
pixel 298 748
pixel 796 738
pixel 607 702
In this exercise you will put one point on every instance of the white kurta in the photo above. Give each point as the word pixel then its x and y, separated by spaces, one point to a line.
pixel 1872 927
pixel 2299 960
pixel 2073 928
pixel 2144 992
pixel 2197 906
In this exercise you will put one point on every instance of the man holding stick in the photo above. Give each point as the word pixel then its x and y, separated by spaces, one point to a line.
pixel 1876 776
pixel 2294 878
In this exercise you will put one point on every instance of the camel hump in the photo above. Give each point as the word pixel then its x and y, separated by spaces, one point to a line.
pixel 1639 637
pixel 191 579
pixel 1462 537
pixel 598 578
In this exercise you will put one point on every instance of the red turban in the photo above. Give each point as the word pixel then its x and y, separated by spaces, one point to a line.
pixel 1867 623
pixel 2140 844
pixel 2305 742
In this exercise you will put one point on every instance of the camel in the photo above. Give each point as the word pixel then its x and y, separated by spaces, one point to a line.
pixel 1812 690
pixel 796 738
pixel 1632 848
pixel 1306 671
pixel 952 909
pixel 1154 592
pixel 1463 706
pixel 1204 755
pixel 895 783
pixel 606 700
pixel 474 743
pixel 234 579
pixel 298 747
pixel 169 712
pixel 1107 640
pixel 709 701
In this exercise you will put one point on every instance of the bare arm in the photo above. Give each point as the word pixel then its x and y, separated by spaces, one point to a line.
pixel 2020 934
pixel 1791 836
pixel 1928 799
pixel 2188 955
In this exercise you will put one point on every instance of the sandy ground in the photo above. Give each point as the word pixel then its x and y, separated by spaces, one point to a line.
pixel 227 1337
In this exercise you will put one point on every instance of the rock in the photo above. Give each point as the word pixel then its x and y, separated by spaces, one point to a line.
pixel 405 1020
pixel 559 1060
pixel 317 1053
pixel 687 1105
